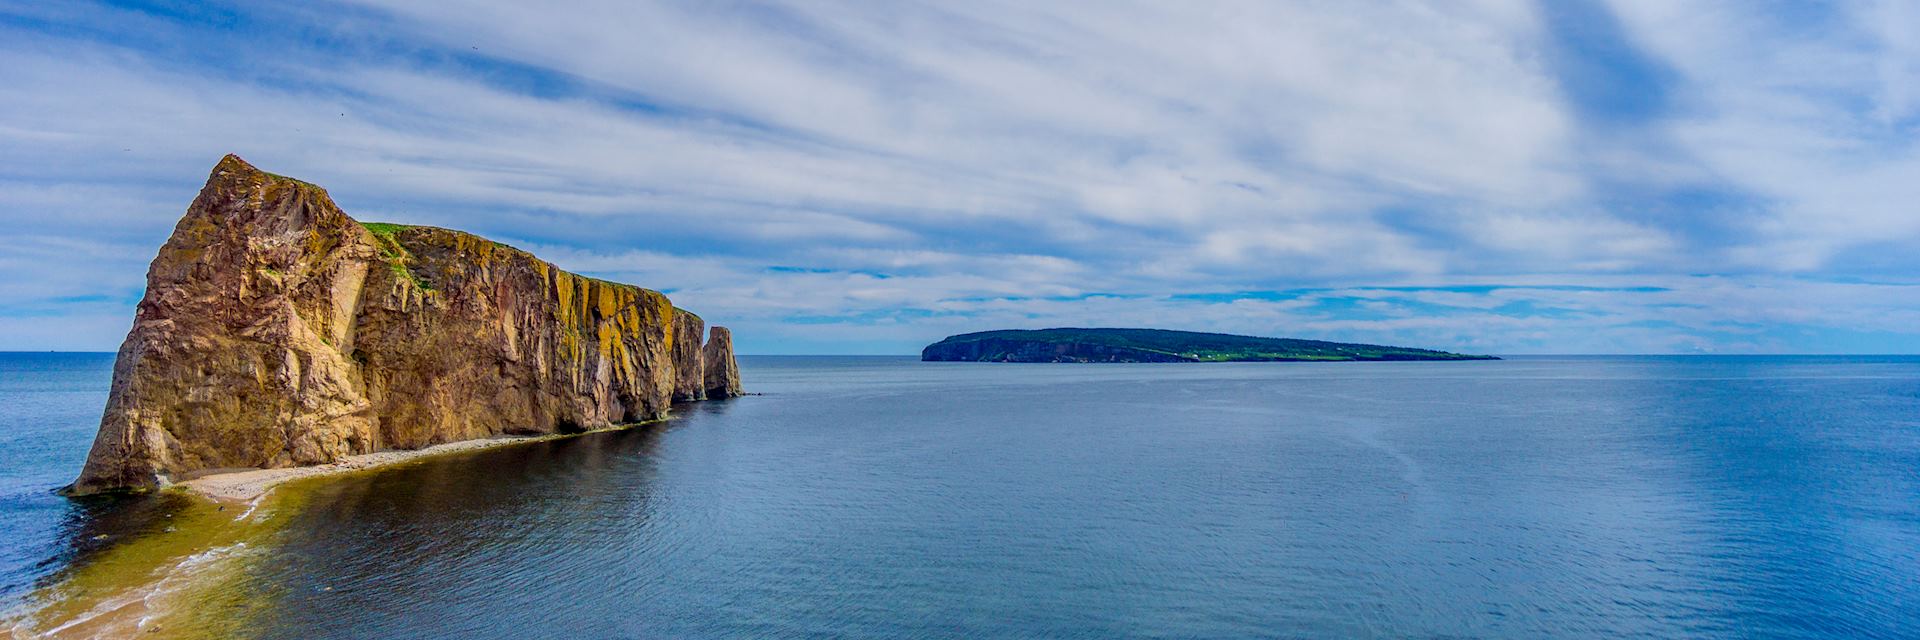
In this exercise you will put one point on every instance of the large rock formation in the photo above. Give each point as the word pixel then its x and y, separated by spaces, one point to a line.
pixel 723 376
pixel 276 331
pixel 689 368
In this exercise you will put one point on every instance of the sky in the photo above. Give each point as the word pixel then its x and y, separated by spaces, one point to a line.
pixel 1561 176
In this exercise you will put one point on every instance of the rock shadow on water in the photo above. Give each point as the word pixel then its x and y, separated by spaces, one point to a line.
pixel 368 534
pixel 118 549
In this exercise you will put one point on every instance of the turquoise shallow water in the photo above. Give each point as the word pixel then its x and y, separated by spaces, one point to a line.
pixel 884 497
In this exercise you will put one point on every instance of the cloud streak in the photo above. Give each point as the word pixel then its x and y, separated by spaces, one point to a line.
pixel 855 176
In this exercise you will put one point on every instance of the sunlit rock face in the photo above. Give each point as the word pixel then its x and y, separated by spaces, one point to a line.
pixel 723 375
pixel 689 363
pixel 277 331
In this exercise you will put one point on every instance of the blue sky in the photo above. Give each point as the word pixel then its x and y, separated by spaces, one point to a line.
pixel 1577 176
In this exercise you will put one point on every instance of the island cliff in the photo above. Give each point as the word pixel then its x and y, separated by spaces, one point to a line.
pixel 1158 345
pixel 277 331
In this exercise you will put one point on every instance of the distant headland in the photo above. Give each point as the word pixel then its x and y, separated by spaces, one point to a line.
pixel 1158 345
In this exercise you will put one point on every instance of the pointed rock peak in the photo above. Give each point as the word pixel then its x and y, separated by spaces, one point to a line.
pixel 231 170
pixel 234 163
pixel 234 171
pixel 264 204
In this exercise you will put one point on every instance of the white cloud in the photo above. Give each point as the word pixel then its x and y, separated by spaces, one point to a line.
pixel 1182 118
pixel 1813 112
pixel 924 169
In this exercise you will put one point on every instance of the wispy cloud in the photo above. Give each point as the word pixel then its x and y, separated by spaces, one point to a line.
pixel 859 176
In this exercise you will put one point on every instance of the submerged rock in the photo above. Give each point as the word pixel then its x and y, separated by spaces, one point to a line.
pixel 277 331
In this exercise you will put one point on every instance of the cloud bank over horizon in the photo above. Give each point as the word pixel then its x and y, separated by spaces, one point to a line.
pixel 1623 176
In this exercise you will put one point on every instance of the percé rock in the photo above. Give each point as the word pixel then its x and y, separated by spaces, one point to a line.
pixel 277 331
pixel 723 375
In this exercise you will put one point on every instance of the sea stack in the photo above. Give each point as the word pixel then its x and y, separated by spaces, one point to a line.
pixel 723 375
pixel 689 359
pixel 277 331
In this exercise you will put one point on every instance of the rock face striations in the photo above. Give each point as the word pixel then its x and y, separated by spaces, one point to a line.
pixel 689 358
pixel 722 374
pixel 277 331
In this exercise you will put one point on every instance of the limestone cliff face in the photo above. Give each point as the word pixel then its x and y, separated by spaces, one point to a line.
pixel 277 331
pixel 689 363
pixel 723 375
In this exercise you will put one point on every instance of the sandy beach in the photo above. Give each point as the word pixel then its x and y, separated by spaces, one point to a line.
pixel 246 486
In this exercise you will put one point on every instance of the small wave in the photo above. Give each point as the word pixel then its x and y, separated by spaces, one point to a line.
pixel 149 598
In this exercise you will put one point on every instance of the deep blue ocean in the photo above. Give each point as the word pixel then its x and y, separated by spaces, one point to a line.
pixel 1672 497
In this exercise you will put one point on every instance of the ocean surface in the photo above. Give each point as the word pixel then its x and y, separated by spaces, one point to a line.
pixel 1698 497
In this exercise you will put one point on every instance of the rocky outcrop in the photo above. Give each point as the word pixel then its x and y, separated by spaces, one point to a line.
pixel 689 362
pixel 723 375
pixel 277 331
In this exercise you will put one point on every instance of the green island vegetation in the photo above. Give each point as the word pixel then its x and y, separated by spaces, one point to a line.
pixel 1159 345
pixel 396 255
pixel 399 259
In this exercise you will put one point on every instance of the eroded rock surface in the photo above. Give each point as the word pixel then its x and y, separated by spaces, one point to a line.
pixel 277 331
pixel 689 363
pixel 723 375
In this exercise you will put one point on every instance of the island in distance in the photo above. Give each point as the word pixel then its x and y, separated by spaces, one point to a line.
pixel 1158 345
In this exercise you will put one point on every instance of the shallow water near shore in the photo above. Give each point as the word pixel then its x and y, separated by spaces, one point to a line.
pixel 884 497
